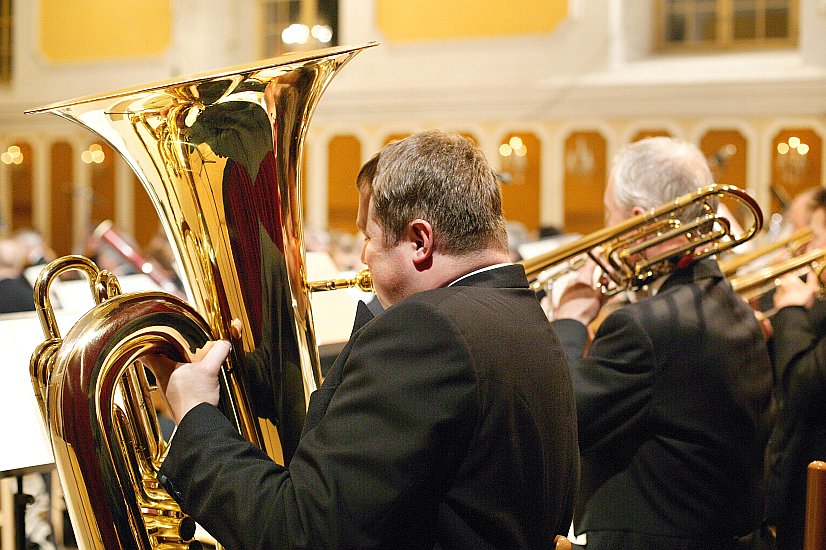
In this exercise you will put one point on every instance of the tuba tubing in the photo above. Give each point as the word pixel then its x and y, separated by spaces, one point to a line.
pixel 94 368
pixel 219 156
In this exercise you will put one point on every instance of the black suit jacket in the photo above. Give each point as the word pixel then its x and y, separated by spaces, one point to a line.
pixel 447 421
pixel 798 350
pixel 16 295
pixel 673 406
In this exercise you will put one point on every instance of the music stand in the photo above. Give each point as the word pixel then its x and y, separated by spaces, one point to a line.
pixel 26 446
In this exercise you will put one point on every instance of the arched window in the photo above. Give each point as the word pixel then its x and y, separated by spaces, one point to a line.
pixel 344 154
pixel 62 197
pixel 585 175
pixel 296 25
pixel 519 162
pixel 796 164
pixel 18 161
pixel 726 154
pixel 5 41
pixel 726 151
pixel 642 134
pixel 101 160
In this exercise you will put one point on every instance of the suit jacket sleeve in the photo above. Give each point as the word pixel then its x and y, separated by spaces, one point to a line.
pixel 798 356
pixel 612 384
pixel 404 407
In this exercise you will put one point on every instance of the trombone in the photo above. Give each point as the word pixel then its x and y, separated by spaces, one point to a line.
pixel 626 252
pixel 754 285
pixel 793 243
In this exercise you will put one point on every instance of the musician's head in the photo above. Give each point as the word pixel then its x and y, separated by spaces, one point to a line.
pixel 817 217
pixel 430 210
pixel 804 204
pixel 12 259
pixel 651 172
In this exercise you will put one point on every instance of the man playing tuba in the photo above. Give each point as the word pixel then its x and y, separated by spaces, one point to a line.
pixel 447 421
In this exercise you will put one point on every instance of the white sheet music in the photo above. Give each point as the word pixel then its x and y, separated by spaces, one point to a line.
pixel 22 434
pixel 23 437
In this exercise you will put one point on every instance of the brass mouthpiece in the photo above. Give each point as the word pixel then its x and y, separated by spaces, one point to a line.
pixel 363 280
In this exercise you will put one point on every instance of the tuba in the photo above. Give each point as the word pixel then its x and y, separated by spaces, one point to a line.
pixel 219 156
pixel 630 253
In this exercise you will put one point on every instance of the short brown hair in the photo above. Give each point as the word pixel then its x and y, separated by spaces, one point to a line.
pixel 441 177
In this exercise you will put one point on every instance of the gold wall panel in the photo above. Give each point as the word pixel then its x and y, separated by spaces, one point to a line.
pixel 644 134
pixel 422 20
pixel 100 30
pixel 727 154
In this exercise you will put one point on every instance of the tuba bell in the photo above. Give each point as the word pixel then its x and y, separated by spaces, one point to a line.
pixel 219 155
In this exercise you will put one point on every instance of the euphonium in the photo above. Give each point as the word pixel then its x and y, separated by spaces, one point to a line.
pixel 219 157
pixel 629 253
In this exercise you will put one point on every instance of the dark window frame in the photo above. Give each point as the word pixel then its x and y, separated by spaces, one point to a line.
pixel 723 24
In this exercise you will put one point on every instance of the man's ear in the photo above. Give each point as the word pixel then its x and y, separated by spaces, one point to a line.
pixel 637 210
pixel 421 236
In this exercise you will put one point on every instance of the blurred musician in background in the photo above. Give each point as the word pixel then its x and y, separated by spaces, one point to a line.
pixel 37 252
pixel 798 352
pixel 802 206
pixel 673 394
pixel 16 293
pixel 447 421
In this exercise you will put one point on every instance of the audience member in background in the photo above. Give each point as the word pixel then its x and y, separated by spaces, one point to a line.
pixel 800 209
pixel 518 235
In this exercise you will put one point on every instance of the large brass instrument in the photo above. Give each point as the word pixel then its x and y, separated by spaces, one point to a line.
pixel 642 248
pixel 219 155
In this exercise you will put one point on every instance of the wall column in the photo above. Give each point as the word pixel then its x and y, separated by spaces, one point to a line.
pixel 81 199
pixel 124 196
pixel 315 203
pixel 41 187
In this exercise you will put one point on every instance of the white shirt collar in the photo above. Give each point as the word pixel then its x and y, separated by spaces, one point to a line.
pixel 486 268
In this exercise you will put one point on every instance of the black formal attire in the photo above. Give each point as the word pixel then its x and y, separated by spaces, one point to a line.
pixel 16 295
pixel 447 421
pixel 798 351
pixel 673 402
